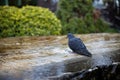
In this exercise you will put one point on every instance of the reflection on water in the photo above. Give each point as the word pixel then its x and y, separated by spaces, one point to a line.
pixel 101 60
pixel 42 58
pixel 41 72
pixel 54 69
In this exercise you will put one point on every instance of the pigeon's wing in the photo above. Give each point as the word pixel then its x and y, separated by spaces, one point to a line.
pixel 82 44
pixel 76 44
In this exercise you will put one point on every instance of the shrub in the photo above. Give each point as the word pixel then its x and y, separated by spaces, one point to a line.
pixel 77 17
pixel 28 21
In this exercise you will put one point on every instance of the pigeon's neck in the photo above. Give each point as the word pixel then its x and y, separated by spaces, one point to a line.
pixel 70 36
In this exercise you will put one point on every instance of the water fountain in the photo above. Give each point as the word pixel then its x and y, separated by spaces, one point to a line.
pixel 37 58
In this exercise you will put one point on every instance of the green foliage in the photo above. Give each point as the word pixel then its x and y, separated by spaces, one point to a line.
pixel 77 17
pixel 28 21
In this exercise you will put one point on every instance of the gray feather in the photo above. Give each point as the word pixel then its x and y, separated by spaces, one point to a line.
pixel 77 46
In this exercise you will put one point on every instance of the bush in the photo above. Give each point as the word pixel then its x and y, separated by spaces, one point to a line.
pixel 77 17
pixel 28 21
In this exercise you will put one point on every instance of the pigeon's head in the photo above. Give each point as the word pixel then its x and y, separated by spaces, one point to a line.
pixel 70 35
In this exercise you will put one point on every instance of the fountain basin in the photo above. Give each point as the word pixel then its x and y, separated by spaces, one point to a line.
pixel 37 58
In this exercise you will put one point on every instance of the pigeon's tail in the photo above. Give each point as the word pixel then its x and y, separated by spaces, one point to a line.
pixel 85 53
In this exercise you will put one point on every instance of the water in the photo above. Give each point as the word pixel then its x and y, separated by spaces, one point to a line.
pixel 36 58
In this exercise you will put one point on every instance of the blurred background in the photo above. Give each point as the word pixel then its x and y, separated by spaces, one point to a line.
pixel 58 17
pixel 39 55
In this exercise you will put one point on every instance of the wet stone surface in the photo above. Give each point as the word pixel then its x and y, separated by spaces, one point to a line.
pixel 37 58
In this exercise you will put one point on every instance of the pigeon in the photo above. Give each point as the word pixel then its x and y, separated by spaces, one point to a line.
pixel 77 46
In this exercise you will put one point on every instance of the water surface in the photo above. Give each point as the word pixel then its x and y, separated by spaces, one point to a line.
pixel 36 58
